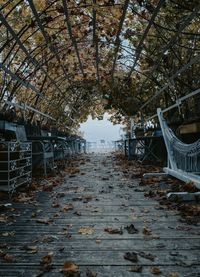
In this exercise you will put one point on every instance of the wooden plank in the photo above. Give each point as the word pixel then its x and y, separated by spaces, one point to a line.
pixel 103 271
pixel 174 244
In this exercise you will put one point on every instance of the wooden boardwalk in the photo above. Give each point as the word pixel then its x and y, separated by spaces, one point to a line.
pixel 82 220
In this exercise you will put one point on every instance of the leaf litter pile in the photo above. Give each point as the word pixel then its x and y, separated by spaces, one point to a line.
pixel 158 187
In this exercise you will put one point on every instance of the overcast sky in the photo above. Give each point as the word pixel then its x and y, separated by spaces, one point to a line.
pixel 96 130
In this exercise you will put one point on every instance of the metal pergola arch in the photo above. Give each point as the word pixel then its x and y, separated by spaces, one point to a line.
pixel 92 9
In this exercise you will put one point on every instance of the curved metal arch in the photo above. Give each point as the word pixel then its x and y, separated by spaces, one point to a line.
pixel 174 38
pixel 164 27
pixel 181 70
pixel 117 41
pixel 35 62
pixel 51 57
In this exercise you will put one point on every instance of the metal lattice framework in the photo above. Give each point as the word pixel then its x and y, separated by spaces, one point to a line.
pixel 64 59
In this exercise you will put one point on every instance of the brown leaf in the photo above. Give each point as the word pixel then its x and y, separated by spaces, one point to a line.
pixel 131 256
pixel 77 213
pixel 3 219
pixel 67 207
pixel 155 270
pixel 114 231
pixel 46 262
pixel 30 249
pixel 8 234
pixel 47 238
pixel 23 198
pixel 90 273
pixel 173 274
pixel 2 253
pixel 3 245
pixel 146 231
pixel 131 229
pixel 87 198
pixel 70 269
pixel 55 205
pixel 8 258
pixel 86 231
pixel 136 268
pixel 190 187
pixel 147 256
pixel 43 220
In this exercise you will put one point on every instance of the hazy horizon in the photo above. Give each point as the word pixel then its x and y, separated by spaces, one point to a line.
pixel 97 130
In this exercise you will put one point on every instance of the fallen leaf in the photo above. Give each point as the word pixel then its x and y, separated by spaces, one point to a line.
pixel 136 268
pixel 114 231
pixel 80 198
pixel 131 229
pixel 60 194
pixel 173 274
pixel 147 256
pixel 2 253
pixel 8 258
pixel 155 270
pixel 43 220
pixel 190 187
pixel 55 205
pixel 90 273
pixel 3 219
pixel 146 231
pixel 98 241
pixel 77 213
pixel 8 234
pixel 30 249
pixel 67 207
pixel 131 256
pixel 3 245
pixel 23 198
pixel 46 262
pixel 87 198
pixel 70 269
pixel 86 231
pixel 97 210
pixel 105 179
